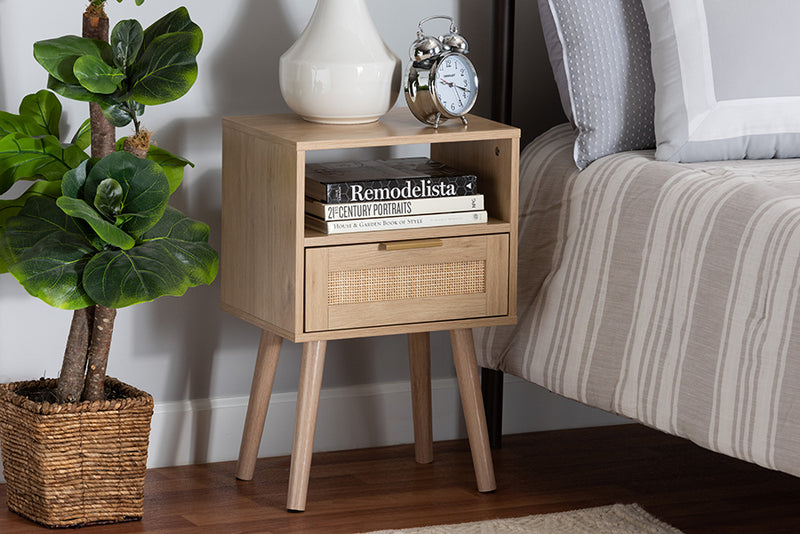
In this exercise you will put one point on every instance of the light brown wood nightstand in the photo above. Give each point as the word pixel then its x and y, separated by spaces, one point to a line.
pixel 281 276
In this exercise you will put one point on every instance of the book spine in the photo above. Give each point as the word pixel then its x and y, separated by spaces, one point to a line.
pixel 393 189
pixel 392 208
pixel 396 223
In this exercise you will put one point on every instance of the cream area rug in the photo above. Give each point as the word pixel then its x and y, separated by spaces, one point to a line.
pixel 614 519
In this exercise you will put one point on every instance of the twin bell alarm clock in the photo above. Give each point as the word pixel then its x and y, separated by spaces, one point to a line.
pixel 441 82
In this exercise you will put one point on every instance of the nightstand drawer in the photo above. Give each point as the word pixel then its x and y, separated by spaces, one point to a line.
pixel 402 282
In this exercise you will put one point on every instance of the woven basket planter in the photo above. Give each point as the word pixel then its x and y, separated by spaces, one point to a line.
pixel 75 464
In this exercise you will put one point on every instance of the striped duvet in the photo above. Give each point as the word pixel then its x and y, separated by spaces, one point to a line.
pixel 668 293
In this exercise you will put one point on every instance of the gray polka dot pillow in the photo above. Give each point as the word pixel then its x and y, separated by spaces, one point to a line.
pixel 600 54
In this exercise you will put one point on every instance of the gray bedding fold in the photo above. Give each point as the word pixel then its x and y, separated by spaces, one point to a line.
pixel 663 292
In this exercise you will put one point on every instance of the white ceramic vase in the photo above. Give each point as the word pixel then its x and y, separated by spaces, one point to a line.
pixel 340 71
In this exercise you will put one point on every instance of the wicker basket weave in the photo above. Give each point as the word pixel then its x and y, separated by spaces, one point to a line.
pixel 75 464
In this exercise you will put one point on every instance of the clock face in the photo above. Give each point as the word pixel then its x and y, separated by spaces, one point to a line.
pixel 456 85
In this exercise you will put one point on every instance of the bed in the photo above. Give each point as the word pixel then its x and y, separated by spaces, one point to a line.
pixel 663 283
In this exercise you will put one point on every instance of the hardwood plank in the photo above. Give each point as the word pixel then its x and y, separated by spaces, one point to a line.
pixel 355 491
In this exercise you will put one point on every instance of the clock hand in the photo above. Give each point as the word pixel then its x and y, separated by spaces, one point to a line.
pixel 454 88
pixel 458 96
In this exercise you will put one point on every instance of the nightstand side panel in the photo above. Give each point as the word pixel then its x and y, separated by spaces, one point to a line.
pixel 262 256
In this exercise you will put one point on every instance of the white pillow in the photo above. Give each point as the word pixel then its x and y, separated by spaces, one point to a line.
pixel 727 78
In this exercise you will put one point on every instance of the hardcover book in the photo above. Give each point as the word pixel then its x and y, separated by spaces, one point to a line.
pixel 382 180
pixel 396 223
pixel 392 208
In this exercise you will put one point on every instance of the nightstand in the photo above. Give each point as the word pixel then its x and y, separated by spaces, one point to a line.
pixel 286 279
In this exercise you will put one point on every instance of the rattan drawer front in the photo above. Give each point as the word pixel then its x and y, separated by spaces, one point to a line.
pixel 367 285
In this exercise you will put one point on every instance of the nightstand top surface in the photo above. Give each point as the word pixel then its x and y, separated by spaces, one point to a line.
pixel 395 128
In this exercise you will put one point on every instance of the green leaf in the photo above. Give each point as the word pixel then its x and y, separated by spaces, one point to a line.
pixel 83 137
pixel 137 107
pixel 188 241
pixel 44 109
pixel 175 225
pixel 76 92
pixel 108 200
pixel 117 113
pixel 52 269
pixel 96 76
pixel 16 124
pixel 172 165
pixel 25 158
pixel 121 113
pixel 46 251
pixel 167 69
pixel 75 207
pixel 173 22
pixel 73 180
pixel 39 114
pixel 120 278
pixel 144 184
pixel 58 56
pixel 10 208
pixel 126 41
pixel 174 257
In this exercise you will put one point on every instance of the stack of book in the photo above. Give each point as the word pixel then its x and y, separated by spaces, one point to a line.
pixel 361 196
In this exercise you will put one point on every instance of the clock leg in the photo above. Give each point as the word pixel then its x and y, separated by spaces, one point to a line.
pixel 464 119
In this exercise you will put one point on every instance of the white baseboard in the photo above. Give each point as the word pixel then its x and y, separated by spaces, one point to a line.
pixel 209 430
pixel 349 418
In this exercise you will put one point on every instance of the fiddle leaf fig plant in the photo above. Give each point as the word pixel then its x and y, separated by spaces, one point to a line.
pixel 112 250
pixel 95 233
pixel 139 67
pixel 31 150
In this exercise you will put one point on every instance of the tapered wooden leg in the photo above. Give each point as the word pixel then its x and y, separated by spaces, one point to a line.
pixel 305 424
pixel 419 358
pixel 269 349
pixel 470 388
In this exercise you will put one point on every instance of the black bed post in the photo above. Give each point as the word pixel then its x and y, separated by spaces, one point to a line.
pixel 503 61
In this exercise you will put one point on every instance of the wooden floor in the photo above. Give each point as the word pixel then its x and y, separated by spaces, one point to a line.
pixel 355 491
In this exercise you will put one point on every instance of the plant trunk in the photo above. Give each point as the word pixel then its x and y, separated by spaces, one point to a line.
pixel 73 368
pixel 81 345
pixel 102 331
pixel 95 26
